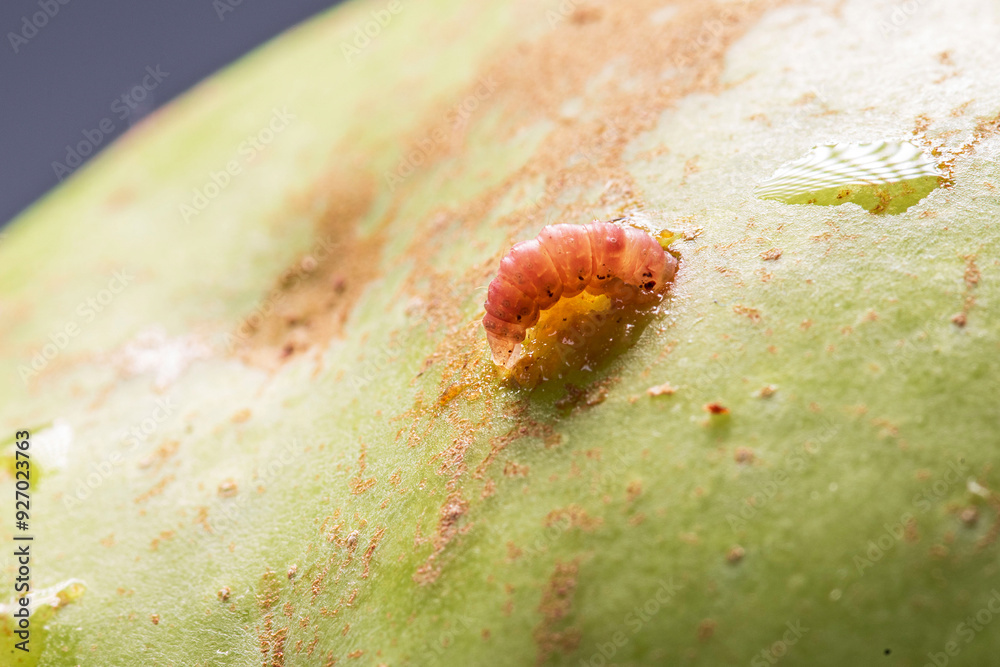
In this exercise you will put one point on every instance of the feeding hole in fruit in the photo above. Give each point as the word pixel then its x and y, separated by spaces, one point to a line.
pixel 881 177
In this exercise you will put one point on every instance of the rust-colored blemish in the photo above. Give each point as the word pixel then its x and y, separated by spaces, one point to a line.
pixel 454 507
pixel 358 483
pixel 750 313
pixel 554 633
pixel 160 455
pixel 312 299
pixel 580 398
pixel 664 389
pixel 370 551
pixel 573 516
pixel 155 491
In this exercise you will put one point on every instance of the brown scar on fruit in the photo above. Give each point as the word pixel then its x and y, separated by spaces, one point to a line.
pixel 767 391
pixel 358 484
pixel 554 634
pixel 160 455
pixel 227 488
pixel 573 516
pixel 580 398
pixel 971 278
pixel 706 629
pixel 454 507
pixel 311 300
pixel 155 491
pixel 751 313
pixel 664 389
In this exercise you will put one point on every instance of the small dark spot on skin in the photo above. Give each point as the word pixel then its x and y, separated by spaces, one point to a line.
pixel 888 651
pixel 650 285
pixel 155 618
pixel 715 409
pixel 224 594
pixel 735 554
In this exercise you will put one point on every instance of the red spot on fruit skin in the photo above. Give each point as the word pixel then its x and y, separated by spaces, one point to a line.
pixel 716 409
pixel 624 263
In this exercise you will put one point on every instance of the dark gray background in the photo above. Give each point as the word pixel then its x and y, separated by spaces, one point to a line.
pixel 64 80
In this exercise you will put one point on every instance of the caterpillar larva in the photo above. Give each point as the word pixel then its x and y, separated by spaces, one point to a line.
pixel 624 263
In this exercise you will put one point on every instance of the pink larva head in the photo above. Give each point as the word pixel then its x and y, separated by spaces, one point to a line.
pixel 625 263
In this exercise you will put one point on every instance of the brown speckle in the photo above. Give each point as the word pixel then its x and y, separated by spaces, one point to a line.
pixel 751 313
pixel 767 391
pixel 736 554
pixel 241 416
pixel 661 390
pixel 292 570
pixel 224 593
pixel 969 516
pixel 706 629
pixel 155 618
pixel 771 255
pixel 715 409
pixel 574 516
pixel 228 488
pixel 553 634
pixel 743 455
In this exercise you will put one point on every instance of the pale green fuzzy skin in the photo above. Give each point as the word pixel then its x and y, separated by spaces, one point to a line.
pixel 933 384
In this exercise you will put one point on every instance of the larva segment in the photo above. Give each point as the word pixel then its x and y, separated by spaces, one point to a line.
pixel 507 303
pixel 530 269
pixel 624 263
pixel 569 248
pixel 609 245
